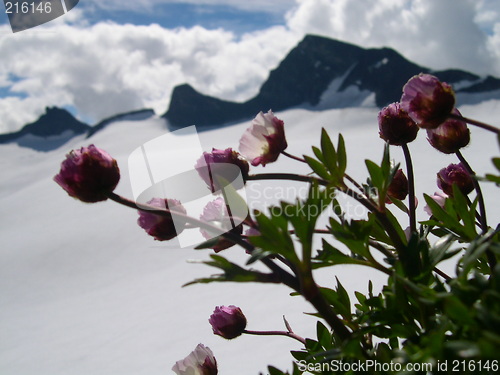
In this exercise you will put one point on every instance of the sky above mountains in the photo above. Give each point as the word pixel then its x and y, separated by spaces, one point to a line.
pixel 106 57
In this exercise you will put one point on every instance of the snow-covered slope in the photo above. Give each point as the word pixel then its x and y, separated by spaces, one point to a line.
pixel 84 291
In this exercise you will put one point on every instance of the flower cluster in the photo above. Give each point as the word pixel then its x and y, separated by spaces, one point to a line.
pixel 426 103
pixel 405 255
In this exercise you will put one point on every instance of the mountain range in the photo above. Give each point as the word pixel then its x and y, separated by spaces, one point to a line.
pixel 318 74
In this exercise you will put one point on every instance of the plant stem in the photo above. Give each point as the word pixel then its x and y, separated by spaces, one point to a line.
pixel 479 124
pixel 482 207
pixel 190 220
pixel 285 176
pixel 293 157
pixel 492 261
pixel 411 188
pixel 312 293
pixel 276 333
pixel 349 178
pixel 391 231
pixel 285 277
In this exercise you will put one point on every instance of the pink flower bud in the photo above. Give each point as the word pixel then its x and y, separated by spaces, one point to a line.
pixel 264 140
pixel 216 213
pixel 439 198
pixel 200 361
pixel 396 127
pixel 427 100
pixel 450 136
pixel 398 187
pixel 228 321
pixel 88 174
pixel 162 227
pixel 213 165
pixel 455 174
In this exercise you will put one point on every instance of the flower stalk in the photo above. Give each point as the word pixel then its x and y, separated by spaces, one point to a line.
pixel 411 188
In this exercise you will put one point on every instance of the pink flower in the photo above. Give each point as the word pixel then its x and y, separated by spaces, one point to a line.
pixel 200 361
pixel 216 213
pixel 162 228
pixel 450 136
pixel 396 126
pixel 427 100
pixel 439 197
pixel 263 142
pixel 228 321
pixel 88 174
pixel 455 174
pixel 214 165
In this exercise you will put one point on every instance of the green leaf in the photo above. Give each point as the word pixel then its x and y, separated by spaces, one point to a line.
pixel 338 300
pixel 440 250
pixel 341 155
pixel 318 154
pixel 232 272
pixel 209 244
pixel 274 236
pixel 468 215
pixel 324 335
pixel 317 167
pixel 375 174
pixel 496 163
pixel 457 311
pixel 329 153
pixel 331 256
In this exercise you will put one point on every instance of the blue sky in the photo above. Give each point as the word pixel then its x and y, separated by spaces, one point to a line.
pixel 173 14
pixel 107 57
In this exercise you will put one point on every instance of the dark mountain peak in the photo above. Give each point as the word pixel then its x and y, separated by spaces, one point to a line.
pixel 55 127
pixel 138 115
pixel 202 109
pixel 55 121
pixel 322 73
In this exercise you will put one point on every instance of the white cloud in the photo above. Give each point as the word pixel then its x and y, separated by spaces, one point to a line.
pixel 106 68
pixel 439 34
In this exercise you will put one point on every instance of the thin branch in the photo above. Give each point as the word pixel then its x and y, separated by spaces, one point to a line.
pixel 293 157
pixel 285 277
pixel 492 261
pixel 479 124
pixel 276 333
pixel 477 187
